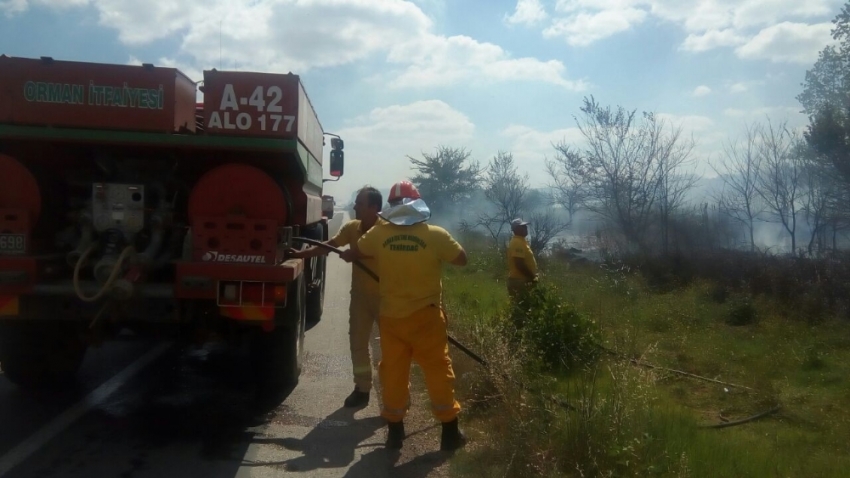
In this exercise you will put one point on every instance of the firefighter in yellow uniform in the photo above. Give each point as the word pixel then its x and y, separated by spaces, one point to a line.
pixel 522 267
pixel 409 255
pixel 363 308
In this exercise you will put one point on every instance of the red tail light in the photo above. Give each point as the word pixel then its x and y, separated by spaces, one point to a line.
pixel 246 293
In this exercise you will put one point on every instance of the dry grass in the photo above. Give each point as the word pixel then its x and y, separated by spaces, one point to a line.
pixel 633 421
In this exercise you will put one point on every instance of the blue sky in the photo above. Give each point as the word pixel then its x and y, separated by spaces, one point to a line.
pixel 396 78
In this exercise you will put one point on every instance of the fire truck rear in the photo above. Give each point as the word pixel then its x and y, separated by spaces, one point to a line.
pixel 127 205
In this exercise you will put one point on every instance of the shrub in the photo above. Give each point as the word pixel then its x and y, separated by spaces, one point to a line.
pixel 741 311
pixel 808 289
pixel 718 293
pixel 665 273
pixel 813 357
pixel 813 305
pixel 557 334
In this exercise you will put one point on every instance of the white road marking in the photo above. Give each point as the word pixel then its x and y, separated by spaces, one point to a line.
pixel 40 438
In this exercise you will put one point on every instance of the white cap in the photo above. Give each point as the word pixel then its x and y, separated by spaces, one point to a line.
pixel 518 222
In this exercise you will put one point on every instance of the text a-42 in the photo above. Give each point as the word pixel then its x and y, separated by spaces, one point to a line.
pixel 12 243
pixel 230 117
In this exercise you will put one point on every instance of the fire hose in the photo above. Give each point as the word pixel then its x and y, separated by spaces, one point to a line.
pixel 372 274
pixel 452 340
pixel 557 400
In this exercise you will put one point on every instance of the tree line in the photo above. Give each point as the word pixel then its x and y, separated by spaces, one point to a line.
pixel 633 174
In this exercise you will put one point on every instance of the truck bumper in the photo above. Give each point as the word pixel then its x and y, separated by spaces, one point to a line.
pixel 17 275
pixel 199 280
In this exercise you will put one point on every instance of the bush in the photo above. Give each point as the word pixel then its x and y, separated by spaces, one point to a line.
pixel 741 312
pixel 666 273
pixel 812 305
pixel 808 289
pixel 557 334
pixel 718 293
pixel 813 357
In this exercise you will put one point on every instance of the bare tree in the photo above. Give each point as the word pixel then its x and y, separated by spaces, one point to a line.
pixel 815 203
pixel 506 191
pixel 701 227
pixel 545 226
pixel 739 171
pixel 618 169
pixel 673 154
pixel 568 179
pixel 782 172
pixel 630 167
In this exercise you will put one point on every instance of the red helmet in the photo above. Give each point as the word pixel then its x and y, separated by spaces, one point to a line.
pixel 403 190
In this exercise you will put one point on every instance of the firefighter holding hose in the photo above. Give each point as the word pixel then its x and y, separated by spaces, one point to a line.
pixel 409 254
pixel 363 308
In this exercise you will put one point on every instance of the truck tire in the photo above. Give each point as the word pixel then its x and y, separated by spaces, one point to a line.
pixel 316 297
pixel 278 356
pixel 316 293
pixel 40 354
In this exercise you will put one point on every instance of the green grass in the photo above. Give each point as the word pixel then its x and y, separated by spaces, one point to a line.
pixel 633 421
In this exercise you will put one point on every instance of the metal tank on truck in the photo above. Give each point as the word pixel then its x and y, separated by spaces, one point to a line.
pixel 126 204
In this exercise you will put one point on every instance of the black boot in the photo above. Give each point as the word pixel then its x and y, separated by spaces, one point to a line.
pixel 395 435
pixel 357 399
pixel 452 438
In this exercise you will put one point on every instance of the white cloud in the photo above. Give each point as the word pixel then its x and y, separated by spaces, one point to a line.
pixel 435 60
pixel 297 35
pixel 771 29
pixel 744 86
pixel 701 90
pixel 704 15
pixel 416 121
pixel 432 5
pixel 528 140
pixel 739 88
pixel 711 40
pixel 769 12
pixel 528 12
pixel 582 29
pixel 12 7
pixel 290 35
pixel 787 42
pixel 773 112
pixel 377 143
pixel 568 6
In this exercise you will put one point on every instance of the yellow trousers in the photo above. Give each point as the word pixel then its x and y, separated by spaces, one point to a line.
pixel 422 337
pixel 362 313
pixel 517 286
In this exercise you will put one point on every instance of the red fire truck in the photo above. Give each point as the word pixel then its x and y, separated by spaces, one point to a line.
pixel 127 204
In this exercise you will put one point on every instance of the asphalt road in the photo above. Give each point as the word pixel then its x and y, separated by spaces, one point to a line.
pixel 152 410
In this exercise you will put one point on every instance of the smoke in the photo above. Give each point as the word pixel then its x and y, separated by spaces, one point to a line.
pixel 769 235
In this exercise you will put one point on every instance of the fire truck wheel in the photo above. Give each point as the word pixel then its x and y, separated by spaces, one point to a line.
pixel 278 355
pixel 318 277
pixel 40 354
pixel 316 297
